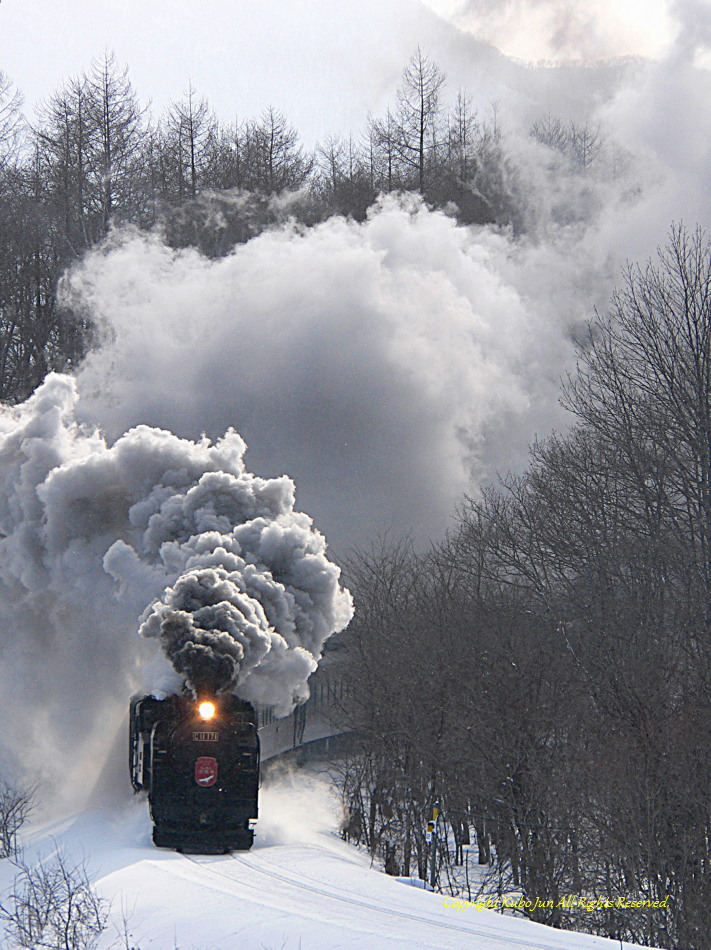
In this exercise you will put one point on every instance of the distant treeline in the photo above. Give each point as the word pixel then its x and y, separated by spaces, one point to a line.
pixel 94 158
pixel 546 672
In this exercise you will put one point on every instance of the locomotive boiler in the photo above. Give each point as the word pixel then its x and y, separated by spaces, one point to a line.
pixel 198 760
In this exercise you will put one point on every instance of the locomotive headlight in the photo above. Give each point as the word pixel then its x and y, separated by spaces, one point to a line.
pixel 206 710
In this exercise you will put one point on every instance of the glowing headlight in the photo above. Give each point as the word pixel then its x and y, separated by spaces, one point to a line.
pixel 206 710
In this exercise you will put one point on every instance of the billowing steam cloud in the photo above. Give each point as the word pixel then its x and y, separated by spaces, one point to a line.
pixel 232 580
pixel 253 604
pixel 387 366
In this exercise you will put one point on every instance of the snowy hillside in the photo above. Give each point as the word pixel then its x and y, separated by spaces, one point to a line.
pixel 299 888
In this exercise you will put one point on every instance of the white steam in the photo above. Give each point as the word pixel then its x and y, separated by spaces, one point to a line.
pixel 388 366
pixel 92 535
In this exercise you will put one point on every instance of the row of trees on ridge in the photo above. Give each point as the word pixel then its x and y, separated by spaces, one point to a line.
pixel 94 158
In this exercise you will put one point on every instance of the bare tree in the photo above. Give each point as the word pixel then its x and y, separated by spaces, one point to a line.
pixel 463 133
pixel 16 805
pixel 550 131
pixel 274 157
pixel 384 153
pixel 53 906
pixel 418 113
pixel 605 540
pixel 11 120
pixel 64 156
pixel 187 132
pixel 118 136
pixel 645 388
pixel 586 143
pixel 343 177
pixel 410 135
pixel 33 250
pixel 331 157
pixel 580 142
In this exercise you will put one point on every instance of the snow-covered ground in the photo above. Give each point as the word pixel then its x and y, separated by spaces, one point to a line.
pixel 300 888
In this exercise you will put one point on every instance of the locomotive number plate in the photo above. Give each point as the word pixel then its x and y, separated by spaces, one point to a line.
pixel 206 771
pixel 206 737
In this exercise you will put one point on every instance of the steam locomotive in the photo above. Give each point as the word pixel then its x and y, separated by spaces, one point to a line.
pixel 199 763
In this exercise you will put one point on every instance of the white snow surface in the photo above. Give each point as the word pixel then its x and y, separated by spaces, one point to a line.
pixel 299 888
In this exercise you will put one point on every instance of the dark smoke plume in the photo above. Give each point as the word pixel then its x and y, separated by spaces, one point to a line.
pixel 252 609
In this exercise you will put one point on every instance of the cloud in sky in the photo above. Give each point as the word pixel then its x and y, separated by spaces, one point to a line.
pixel 566 29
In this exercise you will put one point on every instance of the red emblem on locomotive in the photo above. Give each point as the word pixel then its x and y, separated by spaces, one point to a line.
pixel 206 771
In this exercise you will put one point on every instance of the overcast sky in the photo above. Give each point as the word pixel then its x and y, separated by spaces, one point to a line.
pixel 325 63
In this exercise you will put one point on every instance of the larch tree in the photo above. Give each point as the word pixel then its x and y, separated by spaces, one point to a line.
pixel 11 120
pixel 417 115
pixel 188 130
pixel 118 135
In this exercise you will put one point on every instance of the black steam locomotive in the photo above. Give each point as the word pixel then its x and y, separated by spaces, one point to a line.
pixel 199 763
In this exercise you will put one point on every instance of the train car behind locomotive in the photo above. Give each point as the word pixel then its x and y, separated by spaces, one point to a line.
pixel 199 763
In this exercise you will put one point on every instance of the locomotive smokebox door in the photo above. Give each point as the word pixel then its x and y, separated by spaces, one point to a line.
pixel 206 771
